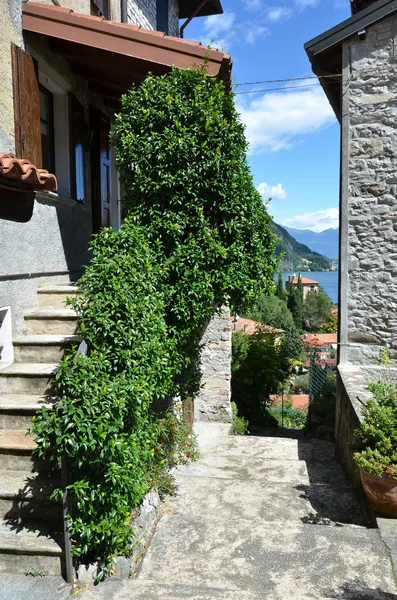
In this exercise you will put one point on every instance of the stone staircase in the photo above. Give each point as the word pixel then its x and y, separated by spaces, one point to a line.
pixel 30 523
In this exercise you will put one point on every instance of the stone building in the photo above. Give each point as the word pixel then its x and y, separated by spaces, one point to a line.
pixel 308 285
pixel 356 65
pixel 63 67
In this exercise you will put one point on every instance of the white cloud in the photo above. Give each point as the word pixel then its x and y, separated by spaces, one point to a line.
pixel 307 3
pixel 278 13
pixel 275 121
pixel 271 191
pixel 316 221
pixel 219 25
pixel 255 31
pixel 253 5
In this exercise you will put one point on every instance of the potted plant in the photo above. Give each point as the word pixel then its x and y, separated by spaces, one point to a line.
pixel 375 444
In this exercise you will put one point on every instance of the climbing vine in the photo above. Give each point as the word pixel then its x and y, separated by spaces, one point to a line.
pixel 197 236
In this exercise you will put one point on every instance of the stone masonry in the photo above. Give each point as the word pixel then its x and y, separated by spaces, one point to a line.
pixel 213 401
pixel 369 194
pixel 143 13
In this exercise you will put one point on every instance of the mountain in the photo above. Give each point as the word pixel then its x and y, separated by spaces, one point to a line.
pixel 297 256
pixel 325 242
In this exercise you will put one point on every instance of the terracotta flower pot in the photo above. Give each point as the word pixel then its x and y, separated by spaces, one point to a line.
pixel 381 492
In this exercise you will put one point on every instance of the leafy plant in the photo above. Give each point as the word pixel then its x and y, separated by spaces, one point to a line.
pixel 239 424
pixel 103 422
pixel 259 365
pixel 375 440
pixel 197 236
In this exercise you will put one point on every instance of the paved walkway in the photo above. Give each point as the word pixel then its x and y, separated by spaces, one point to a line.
pixel 267 518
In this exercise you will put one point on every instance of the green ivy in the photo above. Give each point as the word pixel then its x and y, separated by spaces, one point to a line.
pixel 197 236
pixel 181 152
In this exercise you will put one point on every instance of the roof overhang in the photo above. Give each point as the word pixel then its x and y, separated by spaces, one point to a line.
pixel 325 50
pixel 113 56
pixel 187 7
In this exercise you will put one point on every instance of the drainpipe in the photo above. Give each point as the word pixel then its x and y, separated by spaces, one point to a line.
pixel 194 14
pixel 124 17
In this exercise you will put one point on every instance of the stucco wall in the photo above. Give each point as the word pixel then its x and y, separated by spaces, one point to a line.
pixel 213 401
pixel 51 247
pixel 143 13
pixel 369 195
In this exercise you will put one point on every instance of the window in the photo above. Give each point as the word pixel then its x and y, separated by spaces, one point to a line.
pixel 100 7
pixel 162 16
pixel 78 134
pixel 47 129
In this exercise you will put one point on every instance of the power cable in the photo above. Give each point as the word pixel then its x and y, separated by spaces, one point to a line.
pixel 289 79
pixel 278 89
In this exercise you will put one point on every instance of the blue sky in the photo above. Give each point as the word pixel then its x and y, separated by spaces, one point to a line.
pixel 293 134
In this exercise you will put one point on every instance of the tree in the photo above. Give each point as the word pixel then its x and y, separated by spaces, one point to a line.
pixel 258 367
pixel 316 310
pixel 332 324
pixel 181 152
pixel 280 292
pixel 295 302
pixel 272 311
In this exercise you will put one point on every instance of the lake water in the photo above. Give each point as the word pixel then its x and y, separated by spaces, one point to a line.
pixel 327 279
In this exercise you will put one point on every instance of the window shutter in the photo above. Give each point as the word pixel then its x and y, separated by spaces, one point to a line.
pixel 26 106
pixel 78 139
pixel 162 16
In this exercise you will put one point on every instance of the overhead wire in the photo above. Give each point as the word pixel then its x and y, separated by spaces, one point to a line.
pixel 289 79
pixel 277 89
pixel 286 80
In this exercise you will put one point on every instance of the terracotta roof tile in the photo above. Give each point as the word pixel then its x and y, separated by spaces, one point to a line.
pixel 249 326
pixel 23 171
pixel 320 338
pixel 305 280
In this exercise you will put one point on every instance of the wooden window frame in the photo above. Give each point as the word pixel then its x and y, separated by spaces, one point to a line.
pixel 51 125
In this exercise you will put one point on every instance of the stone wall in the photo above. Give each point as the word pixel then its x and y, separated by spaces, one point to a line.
pixel 213 401
pixel 143 13
pixel 368 302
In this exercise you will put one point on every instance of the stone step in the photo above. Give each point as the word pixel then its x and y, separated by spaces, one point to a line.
pixel 54 296
pixel 16 452
pixel 27 378
pixel 266 557
pixel 17 410
pixel 152 590
pixel 314 503
pixel 24 495
pixel 30 546
pixel 42 348
pixel 49 322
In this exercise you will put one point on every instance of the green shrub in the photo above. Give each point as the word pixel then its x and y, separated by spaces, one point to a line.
pixel 259 365
pixel 197 237
pixel 103 422
pixel 239 424
pixel 375 440
pixel 180 149
pixel 291 419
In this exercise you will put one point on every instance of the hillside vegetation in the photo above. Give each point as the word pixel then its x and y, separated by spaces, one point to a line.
pixel 298 257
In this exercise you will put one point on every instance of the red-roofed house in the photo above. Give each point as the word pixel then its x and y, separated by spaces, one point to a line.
pixel 323 342
pixel 249 326
pixel 308 285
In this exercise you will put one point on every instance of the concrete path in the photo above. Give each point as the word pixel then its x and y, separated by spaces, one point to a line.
pixel 267 518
